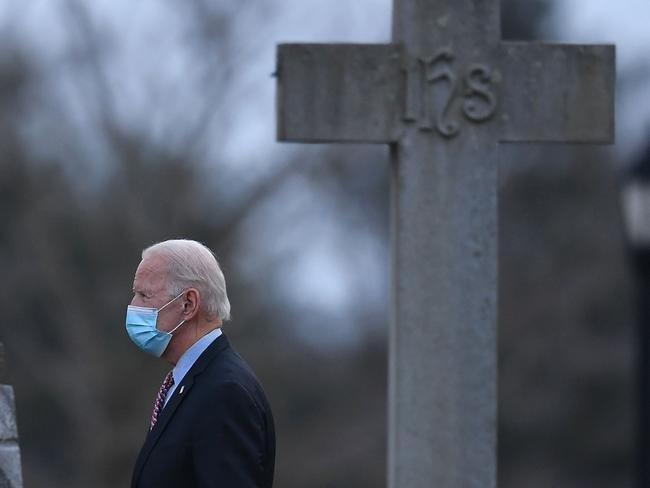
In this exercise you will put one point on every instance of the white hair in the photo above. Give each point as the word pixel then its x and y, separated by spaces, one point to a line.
pixel 193 265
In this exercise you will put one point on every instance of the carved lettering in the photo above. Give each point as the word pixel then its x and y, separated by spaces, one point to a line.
pixel 411 80
pixel 436 97
pixel 480 103
pixel 439 69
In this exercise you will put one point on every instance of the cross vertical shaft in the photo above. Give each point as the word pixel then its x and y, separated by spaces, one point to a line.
pixel 425 25
pixel 443 330
pixel 444 249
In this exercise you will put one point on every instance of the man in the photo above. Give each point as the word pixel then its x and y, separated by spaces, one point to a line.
pixel 211 424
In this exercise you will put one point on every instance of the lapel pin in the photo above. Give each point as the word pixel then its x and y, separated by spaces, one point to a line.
pixel 180 392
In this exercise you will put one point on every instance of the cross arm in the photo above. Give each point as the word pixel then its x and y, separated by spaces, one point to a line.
pixel 557 92
pixel 338 92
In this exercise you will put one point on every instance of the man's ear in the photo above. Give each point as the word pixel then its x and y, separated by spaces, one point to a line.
pixel 191 304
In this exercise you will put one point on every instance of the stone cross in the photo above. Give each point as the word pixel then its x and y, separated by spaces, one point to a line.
pixel 443 94
pixel 10 470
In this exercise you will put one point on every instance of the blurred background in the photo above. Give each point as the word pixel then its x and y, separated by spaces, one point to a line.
pixel 125 123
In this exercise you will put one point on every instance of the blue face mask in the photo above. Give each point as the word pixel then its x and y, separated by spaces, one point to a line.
pixel 141 327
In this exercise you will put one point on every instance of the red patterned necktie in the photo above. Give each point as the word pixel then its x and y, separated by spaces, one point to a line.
pixel 160 398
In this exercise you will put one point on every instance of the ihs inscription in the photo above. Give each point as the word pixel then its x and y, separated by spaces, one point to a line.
pixel 438 95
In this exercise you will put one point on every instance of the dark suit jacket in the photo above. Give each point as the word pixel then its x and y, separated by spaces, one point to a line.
pixel 215 431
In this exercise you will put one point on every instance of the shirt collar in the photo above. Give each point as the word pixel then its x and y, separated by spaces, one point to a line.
pixel 190 356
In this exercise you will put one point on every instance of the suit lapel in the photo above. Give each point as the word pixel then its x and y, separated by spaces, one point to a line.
pixel 180 393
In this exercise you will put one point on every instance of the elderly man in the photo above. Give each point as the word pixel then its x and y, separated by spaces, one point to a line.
pixel 211 424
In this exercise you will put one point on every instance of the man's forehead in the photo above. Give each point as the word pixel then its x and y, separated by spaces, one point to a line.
pixel 151 268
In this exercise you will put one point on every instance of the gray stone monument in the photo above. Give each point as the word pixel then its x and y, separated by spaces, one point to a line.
pixel 10 470
pixel 443 94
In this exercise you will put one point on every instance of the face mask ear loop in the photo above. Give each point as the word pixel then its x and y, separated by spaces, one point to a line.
pixel 170 301
pixel 174 329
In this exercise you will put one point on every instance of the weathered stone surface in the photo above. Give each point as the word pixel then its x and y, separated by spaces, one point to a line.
pixel 339 92
pixel 10 467
pixel 555 92
pixel 442 361
pixel 8 430
pixel 10 470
